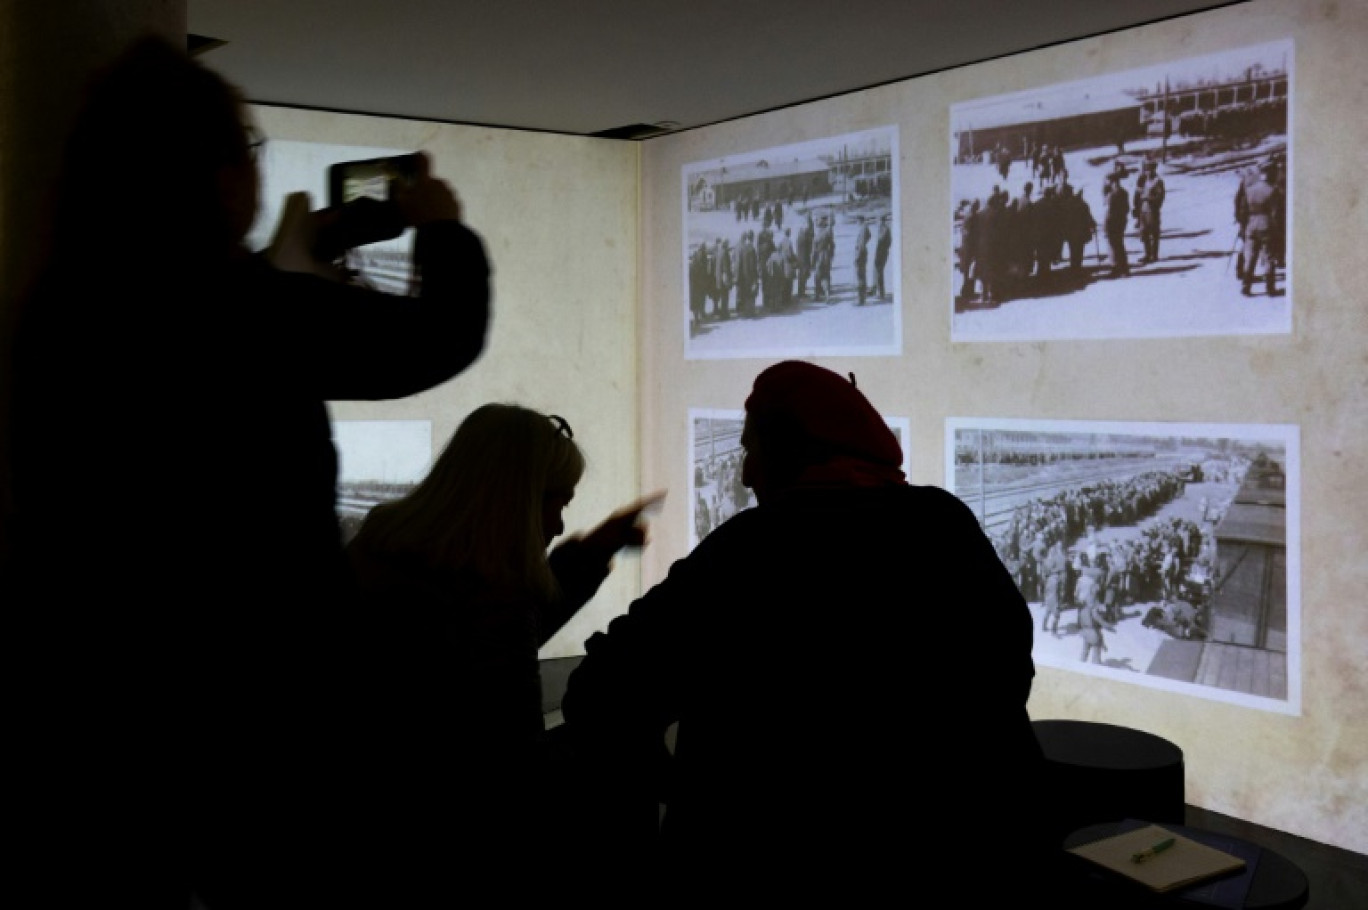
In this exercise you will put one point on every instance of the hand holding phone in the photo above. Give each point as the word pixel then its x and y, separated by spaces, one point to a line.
pixel 372 178
pixel 293 246
pixel 404 180
pixel 424 198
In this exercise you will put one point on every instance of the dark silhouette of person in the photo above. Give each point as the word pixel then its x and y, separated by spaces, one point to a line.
pixel 882 247
pixel 1117 205
pixel 1264 204
pixel 1078 224
pixel 462 595
pixel 821 743
pixel 183 608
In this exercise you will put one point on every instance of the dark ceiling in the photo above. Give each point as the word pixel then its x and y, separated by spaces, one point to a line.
pixel 622 68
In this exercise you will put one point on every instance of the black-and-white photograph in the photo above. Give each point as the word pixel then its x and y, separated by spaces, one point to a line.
pixel 793 251
pixel 377 460
pixel 1165 555
pixel 1148 203
pixel 716 492
pixel 289 167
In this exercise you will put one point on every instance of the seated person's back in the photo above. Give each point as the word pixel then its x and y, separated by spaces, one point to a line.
pixel 848 664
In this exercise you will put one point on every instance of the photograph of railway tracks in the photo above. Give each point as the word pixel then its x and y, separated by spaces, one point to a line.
pixel 288 166
pixel 792 251
pixel 1148 203
pixel 1165 555
pixel 715 489
pixel 377 460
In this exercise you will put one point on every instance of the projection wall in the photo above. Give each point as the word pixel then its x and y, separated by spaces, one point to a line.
pixel 1083 365
pixel 1019 370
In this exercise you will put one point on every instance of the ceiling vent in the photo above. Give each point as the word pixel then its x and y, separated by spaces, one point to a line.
pixel 201 44
pixel 637 131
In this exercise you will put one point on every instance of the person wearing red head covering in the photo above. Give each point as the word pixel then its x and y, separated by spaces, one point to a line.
pixel 816 429
pixel 832 731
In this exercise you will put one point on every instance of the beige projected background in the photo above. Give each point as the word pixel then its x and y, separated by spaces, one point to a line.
pixel 584 235
pixel 1305 773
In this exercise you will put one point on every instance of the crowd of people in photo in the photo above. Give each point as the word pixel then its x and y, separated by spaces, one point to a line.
pixel 1006 245
pixel 1053 548
pixel 719 492
pixel 767 269
pixel 1011 246
pixel 1034 240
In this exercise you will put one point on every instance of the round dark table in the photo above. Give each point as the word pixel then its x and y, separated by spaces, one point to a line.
pixel 1099 772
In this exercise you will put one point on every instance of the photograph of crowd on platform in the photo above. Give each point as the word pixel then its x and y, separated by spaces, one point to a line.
pixel 1160 554
pixel 793 251
pixel 716 492
pixel 1147 203
pixel 377 460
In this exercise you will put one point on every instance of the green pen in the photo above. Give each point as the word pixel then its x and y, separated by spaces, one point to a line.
pixel 1150 852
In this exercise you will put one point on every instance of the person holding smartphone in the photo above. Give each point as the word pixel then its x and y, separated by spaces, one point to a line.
pixel 183 599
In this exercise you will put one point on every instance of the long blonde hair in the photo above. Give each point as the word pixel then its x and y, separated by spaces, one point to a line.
pixel 480 506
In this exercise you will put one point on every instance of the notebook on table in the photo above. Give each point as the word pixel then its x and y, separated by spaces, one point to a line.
pixel 1171 858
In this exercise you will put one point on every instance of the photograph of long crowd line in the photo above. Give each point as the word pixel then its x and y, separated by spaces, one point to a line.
pixel 377 460
pixel 1159 554
pixel 793 251
pixel 716 492
pixel 1148 203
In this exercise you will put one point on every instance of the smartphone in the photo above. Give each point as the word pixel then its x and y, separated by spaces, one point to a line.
pixel 369 178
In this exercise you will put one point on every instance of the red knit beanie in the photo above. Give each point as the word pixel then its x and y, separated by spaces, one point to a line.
pixel 826 409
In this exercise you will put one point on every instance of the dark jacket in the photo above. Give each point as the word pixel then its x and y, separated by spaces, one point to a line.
pixel 849 672
pixel 474 783
pixel 1118 208
pixel 183 583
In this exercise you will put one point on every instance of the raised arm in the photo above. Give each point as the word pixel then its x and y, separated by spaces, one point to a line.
pixel 363 344
pixel 581 563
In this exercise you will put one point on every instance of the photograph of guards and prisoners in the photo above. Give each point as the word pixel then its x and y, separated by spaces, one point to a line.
pixel 1147 203
pixel 1164 556
pixel 793 250
pixel 1161 556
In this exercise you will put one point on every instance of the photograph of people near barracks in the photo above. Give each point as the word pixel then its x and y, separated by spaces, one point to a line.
pixel 1164 555
pixel 793 251
pixel 1147 203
